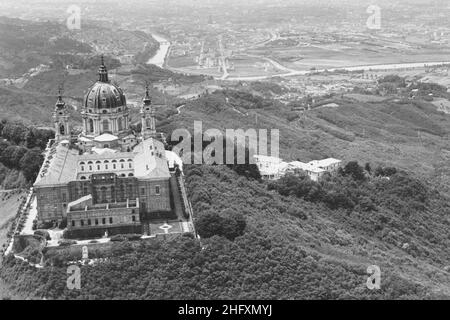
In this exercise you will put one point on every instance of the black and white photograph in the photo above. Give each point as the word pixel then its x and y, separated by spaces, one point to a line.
pixel 241 152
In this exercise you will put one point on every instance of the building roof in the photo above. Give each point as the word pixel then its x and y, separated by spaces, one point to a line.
pixel 106 137
pixel 263 158
pixel 305 166
pixel 173 158
pixel 324 162
pixel 150 161
pixel 61 168
pixel 84 139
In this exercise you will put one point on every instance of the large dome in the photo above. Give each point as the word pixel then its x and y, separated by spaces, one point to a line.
pixel 104 95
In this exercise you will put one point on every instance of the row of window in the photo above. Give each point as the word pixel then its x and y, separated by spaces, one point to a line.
pixel 102 192
pixel 106 125
pixel 104 110
pixel 97 221
pixel 122 175
pixel 105 161
pixel 106 167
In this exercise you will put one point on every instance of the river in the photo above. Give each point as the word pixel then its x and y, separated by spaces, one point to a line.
pixel 376 67
pixel 160 57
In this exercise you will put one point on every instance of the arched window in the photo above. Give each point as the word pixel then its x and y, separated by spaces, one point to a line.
pixel 82 178
pixel 105 125
pixel 62 129
pixel 131 175
pixel 119 124
pixel 91 125
pixel 148 122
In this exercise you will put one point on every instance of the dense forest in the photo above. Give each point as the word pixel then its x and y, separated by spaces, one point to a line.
pixel 21 149
pixel 260 244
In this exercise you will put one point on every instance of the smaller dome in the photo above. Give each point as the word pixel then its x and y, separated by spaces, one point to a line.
pixel 103 95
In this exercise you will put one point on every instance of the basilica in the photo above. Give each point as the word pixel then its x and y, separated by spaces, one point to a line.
pixel 108 179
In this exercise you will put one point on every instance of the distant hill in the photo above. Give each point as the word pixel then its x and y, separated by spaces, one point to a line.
pixel 404 133
pixel 27 44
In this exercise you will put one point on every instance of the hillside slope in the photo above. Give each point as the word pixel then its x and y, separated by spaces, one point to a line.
pixel 318 254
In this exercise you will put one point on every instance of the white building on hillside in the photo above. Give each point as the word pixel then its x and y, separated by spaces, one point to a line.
pixel 273 168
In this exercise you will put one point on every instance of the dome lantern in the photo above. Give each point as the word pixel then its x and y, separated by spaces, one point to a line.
pixel 103 72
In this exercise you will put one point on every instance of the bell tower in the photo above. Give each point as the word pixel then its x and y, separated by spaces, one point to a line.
pixel 61 119
pixel 147 117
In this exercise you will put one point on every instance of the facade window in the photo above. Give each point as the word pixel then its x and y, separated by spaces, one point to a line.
pixel 133 218
pixel 129 165
pixel 96 222
pixel 91 124
pixel 110 220
pixel 103 193
pixel 90 168
pixel 98 167
pixel 104 221
pixel 122 192
pixel 82 168
pixel 106 167
pixel 157 191
pixel 114 166
pixel 64 197
pixel 89 222
pixel 105 125
pixel 121 165
pixel 73 223
pixel 82 222
pixel 142 191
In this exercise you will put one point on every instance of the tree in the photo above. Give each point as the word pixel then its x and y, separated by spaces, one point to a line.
pixel 354 170
pixel 234 224
pixel 209 224
pixel 31 163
